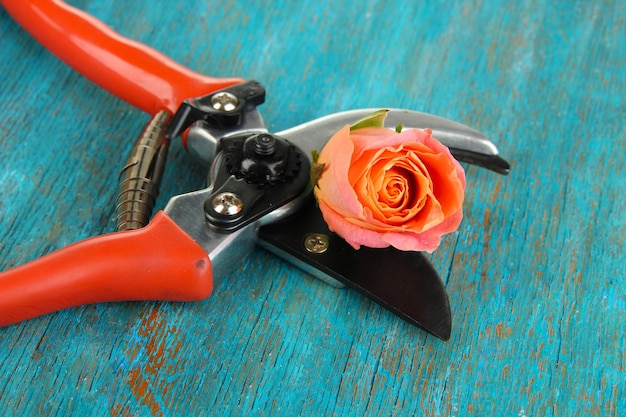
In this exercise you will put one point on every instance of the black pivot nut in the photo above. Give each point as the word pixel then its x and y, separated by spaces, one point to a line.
pixel 265 158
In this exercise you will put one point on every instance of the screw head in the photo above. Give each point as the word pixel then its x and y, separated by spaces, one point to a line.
pixel 224 101
pixel 316 242
pixel 227 204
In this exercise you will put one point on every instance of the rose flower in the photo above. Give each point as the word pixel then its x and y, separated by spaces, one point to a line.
pixel 378 187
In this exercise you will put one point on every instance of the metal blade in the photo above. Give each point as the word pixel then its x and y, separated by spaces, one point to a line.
pixel 403 282
pixel 466 144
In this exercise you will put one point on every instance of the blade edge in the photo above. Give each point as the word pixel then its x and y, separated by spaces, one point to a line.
pixel 404 283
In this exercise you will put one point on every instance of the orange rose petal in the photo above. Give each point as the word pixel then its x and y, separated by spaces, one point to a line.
pixel 429 216
pixel 400 198
pixel 375 138
pixel 416 193
pixel 409 241
pixel 393 194
pixel 351 233
pixel 444 172
pixel 372 139
pixel 439 148
pixel 371 187
pixel 333 186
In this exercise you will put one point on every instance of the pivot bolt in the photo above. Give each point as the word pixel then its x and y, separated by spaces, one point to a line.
pixel 264 144
pixel 227 204
pixel 316 243
pixel 224 101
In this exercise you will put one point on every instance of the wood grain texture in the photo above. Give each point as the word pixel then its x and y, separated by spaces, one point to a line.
pixel 536 273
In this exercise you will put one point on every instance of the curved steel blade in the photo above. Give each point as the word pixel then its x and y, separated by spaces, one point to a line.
pixel 466 144
pixel 403 282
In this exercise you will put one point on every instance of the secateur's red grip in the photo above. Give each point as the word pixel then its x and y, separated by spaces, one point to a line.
pixel 132 71
pixel 158 262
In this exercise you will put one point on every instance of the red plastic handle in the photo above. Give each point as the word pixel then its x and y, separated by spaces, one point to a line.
pixel 158 262
pixel 132 71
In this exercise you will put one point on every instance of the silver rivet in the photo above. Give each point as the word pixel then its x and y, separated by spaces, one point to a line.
pixel 316 243
pixel 224 101
pixel 227 204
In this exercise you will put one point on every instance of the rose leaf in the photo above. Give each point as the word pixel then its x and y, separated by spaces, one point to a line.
pixel 375 119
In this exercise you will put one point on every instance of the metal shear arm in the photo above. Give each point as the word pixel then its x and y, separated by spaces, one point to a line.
pixel 137 74
pixel 256 179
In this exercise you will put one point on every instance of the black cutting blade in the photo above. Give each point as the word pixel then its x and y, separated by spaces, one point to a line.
pixel 403 282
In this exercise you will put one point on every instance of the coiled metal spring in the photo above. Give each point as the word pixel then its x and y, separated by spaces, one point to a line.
pixel 140 178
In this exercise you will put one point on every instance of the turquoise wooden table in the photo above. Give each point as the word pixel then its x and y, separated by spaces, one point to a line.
pixel 536 273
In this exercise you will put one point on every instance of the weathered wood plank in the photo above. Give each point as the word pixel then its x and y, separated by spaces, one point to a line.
pixel 536 273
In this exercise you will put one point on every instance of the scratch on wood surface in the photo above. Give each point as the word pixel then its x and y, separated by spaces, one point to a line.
pixel 120 411
pixel 144 381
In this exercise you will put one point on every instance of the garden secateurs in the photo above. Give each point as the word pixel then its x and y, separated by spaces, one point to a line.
pixel 258 190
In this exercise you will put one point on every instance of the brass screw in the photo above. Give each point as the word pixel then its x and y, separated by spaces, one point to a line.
pixel 316 242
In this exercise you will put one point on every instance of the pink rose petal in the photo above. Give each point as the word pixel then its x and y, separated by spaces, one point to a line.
pixel 384 188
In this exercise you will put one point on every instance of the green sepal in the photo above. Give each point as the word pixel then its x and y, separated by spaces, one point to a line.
pixel 399 128
pixel 375 119
pixel 316 169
